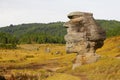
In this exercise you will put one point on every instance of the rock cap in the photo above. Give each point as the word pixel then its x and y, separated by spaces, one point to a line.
pixel 75 14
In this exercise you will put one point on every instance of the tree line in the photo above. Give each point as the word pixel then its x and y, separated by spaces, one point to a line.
pixel 7 41
pixel 46 33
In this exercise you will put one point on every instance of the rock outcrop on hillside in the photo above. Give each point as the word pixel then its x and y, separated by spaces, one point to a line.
pixel 83 37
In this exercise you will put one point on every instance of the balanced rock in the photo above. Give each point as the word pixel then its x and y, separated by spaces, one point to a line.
pixel 84 37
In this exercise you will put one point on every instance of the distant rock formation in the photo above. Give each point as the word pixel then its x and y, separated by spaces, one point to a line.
pixel 83 37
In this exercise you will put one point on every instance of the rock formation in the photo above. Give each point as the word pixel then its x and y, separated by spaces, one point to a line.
pixel 83 37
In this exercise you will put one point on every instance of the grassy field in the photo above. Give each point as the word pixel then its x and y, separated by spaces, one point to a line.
pixel 50 62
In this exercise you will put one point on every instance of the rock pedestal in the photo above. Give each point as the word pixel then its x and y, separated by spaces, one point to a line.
pixel 83 37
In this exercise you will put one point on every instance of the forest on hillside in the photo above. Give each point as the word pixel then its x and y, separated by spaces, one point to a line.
pixel 46 33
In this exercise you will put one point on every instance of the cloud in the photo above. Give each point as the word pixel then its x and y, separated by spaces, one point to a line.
pixel 29 11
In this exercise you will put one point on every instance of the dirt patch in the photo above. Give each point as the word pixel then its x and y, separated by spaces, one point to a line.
pixel 51 66
pixel 81 76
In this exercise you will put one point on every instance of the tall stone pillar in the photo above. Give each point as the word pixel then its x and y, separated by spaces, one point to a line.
pixel 83 37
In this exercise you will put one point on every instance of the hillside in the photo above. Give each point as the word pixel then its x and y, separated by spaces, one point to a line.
pixel 50 28
pixel 52 32
pixel 32 61
pixel 37 32
pixel 111 47
pixel 112 27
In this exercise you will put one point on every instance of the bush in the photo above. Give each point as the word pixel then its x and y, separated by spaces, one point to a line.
pixel 8 46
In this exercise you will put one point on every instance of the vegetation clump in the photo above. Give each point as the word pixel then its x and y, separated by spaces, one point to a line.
pixel 7 41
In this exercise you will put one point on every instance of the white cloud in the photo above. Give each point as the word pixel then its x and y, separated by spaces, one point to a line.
pixel 30 11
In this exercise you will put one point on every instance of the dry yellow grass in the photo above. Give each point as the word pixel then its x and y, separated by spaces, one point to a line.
pixel 111 47
pixel 63 76
pixel 105 69
pixel 33 58
pixel 108 67
pixel 33 53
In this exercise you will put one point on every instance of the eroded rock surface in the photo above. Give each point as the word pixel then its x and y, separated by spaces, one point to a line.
pixel 83 37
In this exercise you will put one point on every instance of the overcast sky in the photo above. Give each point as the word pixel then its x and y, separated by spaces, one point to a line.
pixel 44 11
